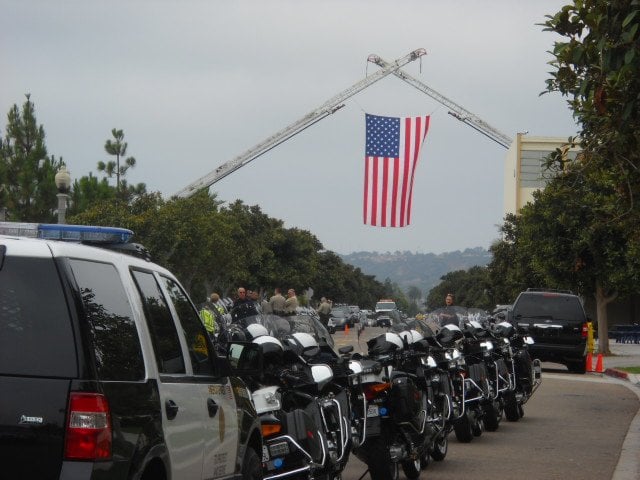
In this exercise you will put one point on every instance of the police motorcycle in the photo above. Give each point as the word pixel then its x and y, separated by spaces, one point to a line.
pixel 395 416
pixel 524 374
pixel 463 353
pixel 303 406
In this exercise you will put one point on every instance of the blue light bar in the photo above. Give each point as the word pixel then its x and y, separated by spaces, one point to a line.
pixel 76 233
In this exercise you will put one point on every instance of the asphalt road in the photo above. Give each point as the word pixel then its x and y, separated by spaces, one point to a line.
pixel 574 427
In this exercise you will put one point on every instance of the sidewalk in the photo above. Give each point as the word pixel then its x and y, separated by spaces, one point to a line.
pixel 622 355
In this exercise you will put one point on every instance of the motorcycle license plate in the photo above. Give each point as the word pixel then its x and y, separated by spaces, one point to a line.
pixel 372 411
pixel 265 453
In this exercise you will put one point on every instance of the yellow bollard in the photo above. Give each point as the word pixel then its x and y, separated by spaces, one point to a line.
pixel 590 340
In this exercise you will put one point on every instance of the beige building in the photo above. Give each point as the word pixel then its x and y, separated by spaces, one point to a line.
pixel 524 171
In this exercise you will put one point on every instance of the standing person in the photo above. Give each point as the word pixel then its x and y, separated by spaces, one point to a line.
pixel 242 297
pixel 291 303
pixel 276 302
pixel 324 310
pixel 448 315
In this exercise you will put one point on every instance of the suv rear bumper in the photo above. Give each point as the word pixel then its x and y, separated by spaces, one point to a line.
pixel 557 353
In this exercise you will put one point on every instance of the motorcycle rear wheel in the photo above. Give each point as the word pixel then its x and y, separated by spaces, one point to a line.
pixel 379 461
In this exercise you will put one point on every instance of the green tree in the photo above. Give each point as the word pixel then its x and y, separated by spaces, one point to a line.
pixel 118 148
pixel 469 288
pixel 509 271
pixel 27 173
pixel 596 66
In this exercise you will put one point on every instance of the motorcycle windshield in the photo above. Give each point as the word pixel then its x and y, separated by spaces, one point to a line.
pixel 282 327
pixel 452 315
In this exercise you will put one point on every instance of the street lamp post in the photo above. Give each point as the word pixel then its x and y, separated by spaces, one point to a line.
pixel 63 184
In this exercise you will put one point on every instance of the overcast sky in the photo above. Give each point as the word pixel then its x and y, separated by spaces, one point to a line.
pixel 195 83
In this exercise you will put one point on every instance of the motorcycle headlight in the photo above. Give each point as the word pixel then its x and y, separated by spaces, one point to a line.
pixel 431 362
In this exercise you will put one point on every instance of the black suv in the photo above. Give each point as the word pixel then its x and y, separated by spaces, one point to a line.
pixel 557 323
pixel 106 370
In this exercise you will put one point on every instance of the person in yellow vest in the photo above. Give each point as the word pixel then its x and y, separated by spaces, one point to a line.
pixel 210 314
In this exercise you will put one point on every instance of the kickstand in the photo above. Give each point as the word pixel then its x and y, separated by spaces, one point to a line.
pixel 365 472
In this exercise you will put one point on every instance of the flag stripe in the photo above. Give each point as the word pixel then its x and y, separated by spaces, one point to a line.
pixel 391 157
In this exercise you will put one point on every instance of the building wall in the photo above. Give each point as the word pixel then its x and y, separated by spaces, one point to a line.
pixel 524 171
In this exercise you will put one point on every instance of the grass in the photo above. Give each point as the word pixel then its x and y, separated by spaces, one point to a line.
pixel 630 369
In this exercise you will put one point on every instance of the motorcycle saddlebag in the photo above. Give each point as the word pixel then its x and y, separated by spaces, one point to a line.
pixel 478 373
pixel 404 399
pixel 304 430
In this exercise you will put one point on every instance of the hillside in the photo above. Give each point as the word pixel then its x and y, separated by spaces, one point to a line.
pixel 422 270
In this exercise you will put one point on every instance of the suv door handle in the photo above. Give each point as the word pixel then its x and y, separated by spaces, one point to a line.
pixel 212 406
pixel 171 409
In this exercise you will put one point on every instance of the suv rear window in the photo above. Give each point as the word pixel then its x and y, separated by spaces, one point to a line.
pixel 35 327
pixel 549 305
pixel 115 337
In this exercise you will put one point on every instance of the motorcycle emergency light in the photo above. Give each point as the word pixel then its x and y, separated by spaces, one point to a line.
pixel 76 233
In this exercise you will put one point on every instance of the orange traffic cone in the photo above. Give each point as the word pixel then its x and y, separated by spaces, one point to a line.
pixel 346 329
pixel 589 363
pixel 599 367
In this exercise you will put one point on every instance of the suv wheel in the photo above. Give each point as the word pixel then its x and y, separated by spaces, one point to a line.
pixel 577 366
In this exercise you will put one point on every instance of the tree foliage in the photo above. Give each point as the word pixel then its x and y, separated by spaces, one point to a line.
pixel 469 288
pixel 27 173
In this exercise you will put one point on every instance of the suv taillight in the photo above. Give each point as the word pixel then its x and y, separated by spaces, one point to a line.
pixel 585 330
pixel 89 427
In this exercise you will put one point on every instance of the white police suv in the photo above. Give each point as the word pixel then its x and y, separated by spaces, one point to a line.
pixel 105 368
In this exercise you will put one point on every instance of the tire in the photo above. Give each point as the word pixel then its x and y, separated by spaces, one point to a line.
pixel 511 410
pixel 378 460
pixel 463 429
pixel 477 426
pixel 411 468
pixel 425 460
pixel 577 366
pixel 251 465
pixel 492 417
pixel 440 448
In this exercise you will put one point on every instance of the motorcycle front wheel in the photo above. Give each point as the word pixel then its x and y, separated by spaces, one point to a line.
pixel 512 408
pixel 492 416
pixel 463 428
pixel 440 448
pixel 411 468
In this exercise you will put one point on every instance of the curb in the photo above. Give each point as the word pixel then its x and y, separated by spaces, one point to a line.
pixel 613 372
pixel 630 377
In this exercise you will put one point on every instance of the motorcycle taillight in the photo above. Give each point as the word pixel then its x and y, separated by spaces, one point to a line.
pixel 373 390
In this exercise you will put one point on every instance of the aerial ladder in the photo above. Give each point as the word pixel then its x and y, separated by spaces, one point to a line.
pixel 455 110
pixel 326 109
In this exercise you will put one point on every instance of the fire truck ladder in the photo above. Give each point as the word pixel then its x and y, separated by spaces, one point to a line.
pixel 326 109
pixel 465 116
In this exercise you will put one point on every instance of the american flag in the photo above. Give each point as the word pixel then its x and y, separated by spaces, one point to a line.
pixel 391 157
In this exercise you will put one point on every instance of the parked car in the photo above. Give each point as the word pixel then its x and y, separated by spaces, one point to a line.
pixel 557 323
pixel 339 318
pixel 106 370
pixel 383 321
